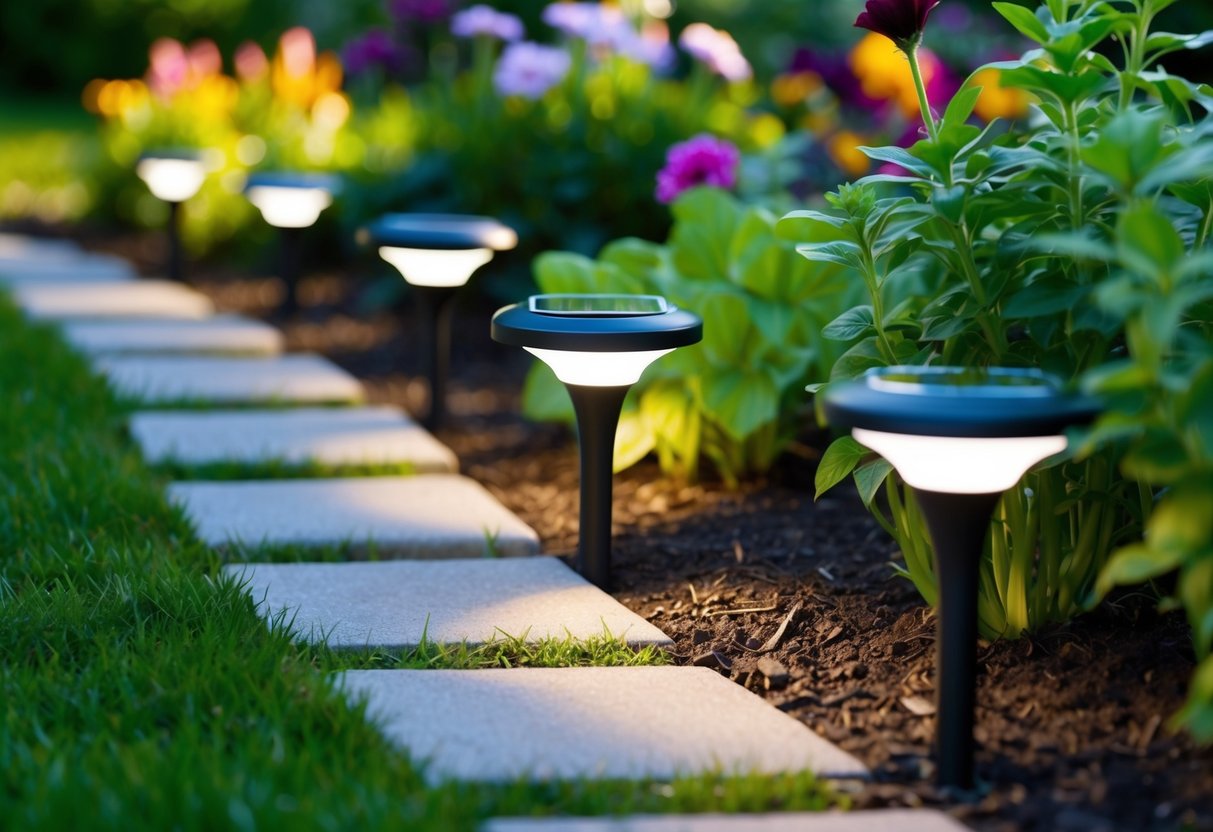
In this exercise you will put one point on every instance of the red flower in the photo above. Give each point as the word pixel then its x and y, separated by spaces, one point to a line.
pixel 901 21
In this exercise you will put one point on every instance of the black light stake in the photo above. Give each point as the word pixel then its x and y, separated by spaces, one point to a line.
pixel 959 437
pixel 291 202
pixel 437 255
pixel 598 345
pixel 173 176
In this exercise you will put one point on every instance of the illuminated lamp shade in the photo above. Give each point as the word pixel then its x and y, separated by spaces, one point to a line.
pixel 436 267
pixel 959 438
pixel 598 345
pixel 291 200
pixel 172 177
pixel 436 254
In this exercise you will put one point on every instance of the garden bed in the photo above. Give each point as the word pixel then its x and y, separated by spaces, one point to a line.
pixel 796 600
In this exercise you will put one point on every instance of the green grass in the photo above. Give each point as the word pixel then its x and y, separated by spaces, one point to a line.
pixel 140 690
pixel 278 469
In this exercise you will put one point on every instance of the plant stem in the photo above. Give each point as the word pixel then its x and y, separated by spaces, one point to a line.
pixel 923 104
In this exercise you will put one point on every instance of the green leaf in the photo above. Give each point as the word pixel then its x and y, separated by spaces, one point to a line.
pixel 1182 522
pixel 1048 296
pixel 1132 565
pixel 1147 242
pixel 1026 23
pixel 1159 458
pixel 961 106
pixel 633 440
pixel 841 252
pixel 858 360
pixel 740 401
pixel 839 460
pixel 726 329
pixel 544 397
pixel 870 476
pixel 854 323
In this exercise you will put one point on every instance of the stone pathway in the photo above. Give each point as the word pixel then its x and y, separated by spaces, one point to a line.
pixel 428 516
pixel 221 334
pixel 65 267
pixel 478 725
pixel 394 605
pixel 111 299
pixel 324 436
pixel 602 722
pixel 881 820
pixel 289 379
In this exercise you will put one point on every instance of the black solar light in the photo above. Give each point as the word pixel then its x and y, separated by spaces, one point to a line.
pixel 290 202
pixel 959 437
pixel 437 254
pixel 173 176
pixel 598 345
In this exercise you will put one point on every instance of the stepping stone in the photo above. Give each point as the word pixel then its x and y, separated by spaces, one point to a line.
pixel 429 516
pixel 231 334
pixel 602 722
pixel 876 820
pixel 21 247
pixel 393 605
pixel 325 436
pixel 302 378
pixel 112 299
pixel 81 269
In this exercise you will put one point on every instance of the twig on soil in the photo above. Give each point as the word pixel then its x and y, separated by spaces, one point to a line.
pixel 741 611
pixel 774 640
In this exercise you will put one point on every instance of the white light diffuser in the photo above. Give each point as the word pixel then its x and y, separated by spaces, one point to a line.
pixel 597 369
pixel 289 207
pixel 173 180
pixel 960 465
pixel 436 267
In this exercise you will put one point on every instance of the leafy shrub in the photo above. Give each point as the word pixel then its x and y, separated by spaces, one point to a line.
pixel 732 398
pixel 1079 244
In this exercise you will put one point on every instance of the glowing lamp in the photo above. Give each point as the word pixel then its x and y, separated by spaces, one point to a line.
pixel 290 202
pixel 598 345
pixel 173 176
pixel 959 437
pixel 437 254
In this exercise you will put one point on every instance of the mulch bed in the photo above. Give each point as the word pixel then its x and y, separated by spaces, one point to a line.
pixel 796 601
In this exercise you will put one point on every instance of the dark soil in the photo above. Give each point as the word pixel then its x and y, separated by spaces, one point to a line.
pixel 796 600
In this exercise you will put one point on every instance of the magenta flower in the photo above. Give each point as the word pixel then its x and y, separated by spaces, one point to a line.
pixel 529 69
pixel 485 21
pixel 703 160
pixel 375 49
pixel 901 21
pixel 717 50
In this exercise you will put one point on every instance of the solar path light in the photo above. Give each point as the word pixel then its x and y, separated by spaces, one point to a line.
pixel 290 202
pixel 959 437
pixel 598 345
pixel 173 176
pixel 437 255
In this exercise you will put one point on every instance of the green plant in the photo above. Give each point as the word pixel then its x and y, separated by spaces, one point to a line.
pixel 1080 238
pixel 733 397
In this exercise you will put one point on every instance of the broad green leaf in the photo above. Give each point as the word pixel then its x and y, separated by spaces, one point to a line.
pixel 854 323
pixel 857 360
pixel 740 401
pixel 1182 522
pixel 1134 564
pixel 726 329
pixel 633 440
pixel 1147 242
pixel 544 397
pixel 961 106
pixel 869 477
pixel 1026 23
pixel 837 463
pixel 1050 296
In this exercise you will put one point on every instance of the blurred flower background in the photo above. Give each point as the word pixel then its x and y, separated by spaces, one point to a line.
pixel 577 120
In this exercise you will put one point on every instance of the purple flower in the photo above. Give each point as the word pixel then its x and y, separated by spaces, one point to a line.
pixel 373 50
pixel 717 50
pixel 529 69
pixel 901 21
pixel 486 21
pixel 581 20
pixel 703 160
pixel 425 12
pixel 650 46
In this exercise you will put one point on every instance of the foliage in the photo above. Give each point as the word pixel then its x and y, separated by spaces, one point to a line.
pixel 733 397
pixel 137 679
pixel 1080 238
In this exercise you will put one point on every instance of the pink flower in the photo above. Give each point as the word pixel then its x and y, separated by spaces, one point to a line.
pixel 298 49
pixel 717 50
pixel 168 67
pixel 251 63
pixel 529 70
pixel 204 58
pixel 703 160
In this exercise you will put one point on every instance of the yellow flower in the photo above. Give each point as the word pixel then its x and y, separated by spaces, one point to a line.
pixel 997 101
pixel 884 73
pixel 793 88
pixel 844 150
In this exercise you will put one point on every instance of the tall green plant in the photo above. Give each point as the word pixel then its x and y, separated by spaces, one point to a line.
pixel 734 397
pixel 1075 240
